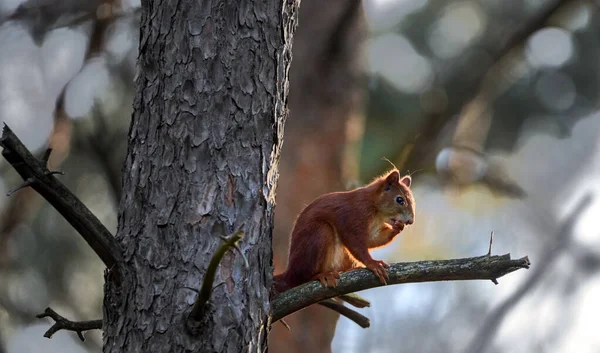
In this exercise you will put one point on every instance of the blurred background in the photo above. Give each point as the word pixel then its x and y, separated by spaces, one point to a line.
pixel 491 105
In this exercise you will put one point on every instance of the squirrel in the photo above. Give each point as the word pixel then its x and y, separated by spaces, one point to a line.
pixel 335 232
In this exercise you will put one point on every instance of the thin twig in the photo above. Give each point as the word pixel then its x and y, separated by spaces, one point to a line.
pixel 285 324
pixel 355 300
pixel 494 280
pixel 491 240
pixel 359 319
pixel 197 311
pixel 37 175
pixel 481 267
pixel 61 323
pixel 26 183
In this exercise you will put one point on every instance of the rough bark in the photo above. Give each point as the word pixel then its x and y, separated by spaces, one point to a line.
pixel 325 100
pixel 203 154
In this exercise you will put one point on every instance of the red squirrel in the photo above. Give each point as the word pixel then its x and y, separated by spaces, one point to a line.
pixel 335 232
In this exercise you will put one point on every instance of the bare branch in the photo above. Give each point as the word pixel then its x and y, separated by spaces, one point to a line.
pixel 359 319
pixel 197 311
pixel 60 323
pixel 25 203
pixel 481 267
pixel 355 300
pixel 64 201
pixel 489 328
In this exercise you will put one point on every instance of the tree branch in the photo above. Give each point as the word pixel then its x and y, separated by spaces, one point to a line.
pixel 197 311
pixel 36 174
pixel 358 318
pixel 60 323
pixel 481 267
pixel 355 300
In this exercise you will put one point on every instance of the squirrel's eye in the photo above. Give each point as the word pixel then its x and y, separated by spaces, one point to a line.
pixel 400 200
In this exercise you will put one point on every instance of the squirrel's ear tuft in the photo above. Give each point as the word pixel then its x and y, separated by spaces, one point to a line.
pixel 392 179
pixel 406 180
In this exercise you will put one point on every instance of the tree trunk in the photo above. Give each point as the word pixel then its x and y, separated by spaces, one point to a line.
pixel 204 146
pixel 325 122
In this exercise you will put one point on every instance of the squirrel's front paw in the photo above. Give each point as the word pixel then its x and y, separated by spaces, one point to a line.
pixel 378 267
pixel 328 279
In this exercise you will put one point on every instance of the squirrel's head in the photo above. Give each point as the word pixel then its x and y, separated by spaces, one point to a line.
pixel 396 200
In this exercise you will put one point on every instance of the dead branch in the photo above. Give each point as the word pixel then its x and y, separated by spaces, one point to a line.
pixel 481 267
pixel 359 319
pixel 36 174
pixel 60 323
pixel 355 300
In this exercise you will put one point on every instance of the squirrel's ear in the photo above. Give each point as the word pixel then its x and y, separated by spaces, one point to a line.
pixel 406 180
pixel 392 179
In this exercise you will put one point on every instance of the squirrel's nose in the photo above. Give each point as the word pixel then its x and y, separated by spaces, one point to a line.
pixel 409 222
